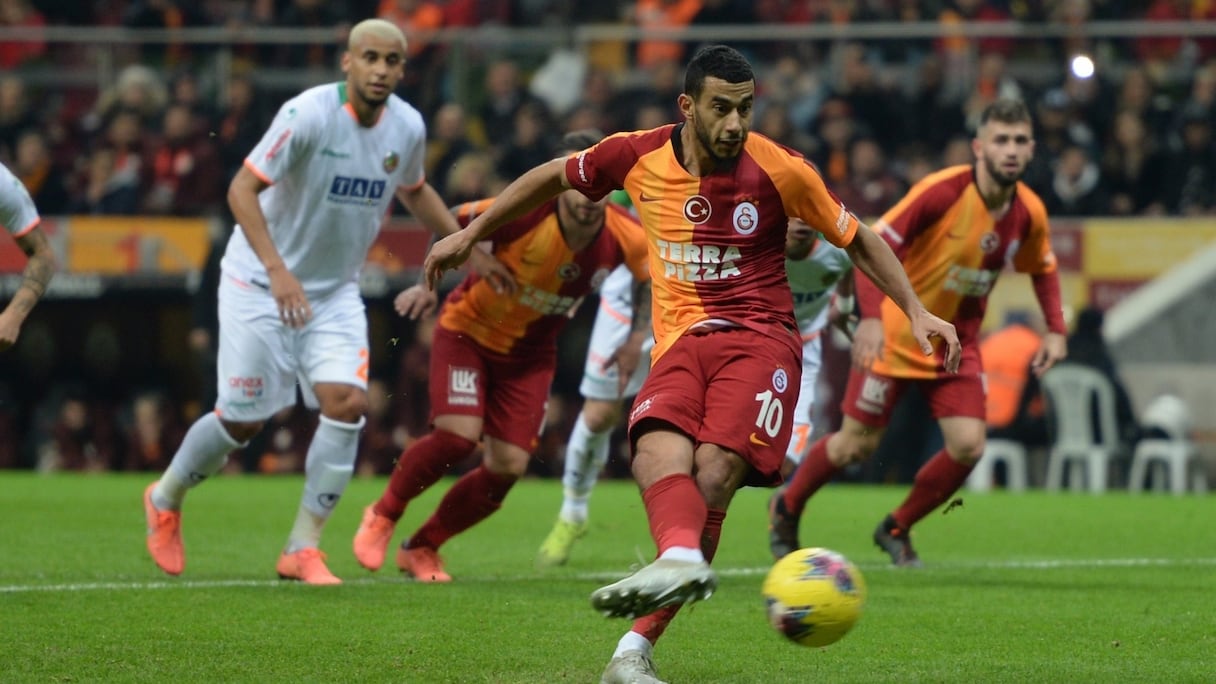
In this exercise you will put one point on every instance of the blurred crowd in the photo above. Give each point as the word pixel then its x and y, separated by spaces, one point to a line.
pixel 1134 137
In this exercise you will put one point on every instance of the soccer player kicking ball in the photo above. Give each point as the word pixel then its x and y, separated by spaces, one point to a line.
pixel 309 201
pixel 716 412
pixel 954 232
pixel 493 360
pixel 816 270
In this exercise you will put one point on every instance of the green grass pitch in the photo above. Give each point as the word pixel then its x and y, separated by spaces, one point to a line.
pixel 1017 588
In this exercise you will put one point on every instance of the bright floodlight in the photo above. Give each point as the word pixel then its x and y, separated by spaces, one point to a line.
pixel 1082 66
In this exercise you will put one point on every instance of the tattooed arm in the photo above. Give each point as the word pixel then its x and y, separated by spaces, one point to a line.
pixel 35 280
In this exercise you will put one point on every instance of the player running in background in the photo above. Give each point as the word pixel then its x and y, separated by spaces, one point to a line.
pixel 954 232
pixel 493 360
pixel 716 412
pixel 816 270
pixel 20 219
pixel 309 201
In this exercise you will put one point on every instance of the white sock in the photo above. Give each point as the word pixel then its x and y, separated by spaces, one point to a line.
pixel 327 470
pixel 683 553
pixel 632 641
pixel 586 454
pixel 202 453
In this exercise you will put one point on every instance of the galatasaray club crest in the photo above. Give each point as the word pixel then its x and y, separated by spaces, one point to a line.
pixel 390 162
pixel 569 271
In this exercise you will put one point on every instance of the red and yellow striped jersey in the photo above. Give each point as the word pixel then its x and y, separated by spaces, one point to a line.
pixel 953 248
pixel 716 242
pixel 551 279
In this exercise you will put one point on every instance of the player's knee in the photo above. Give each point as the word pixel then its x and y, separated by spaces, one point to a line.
pixel 242 432
pixel 852 445
pixel 600 416
pixel 506 460
pixel 967 452
pixel 348 408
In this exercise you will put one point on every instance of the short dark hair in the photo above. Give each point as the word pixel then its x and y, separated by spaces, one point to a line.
pixel 718 61
pixel 577 141
pixel 1006 110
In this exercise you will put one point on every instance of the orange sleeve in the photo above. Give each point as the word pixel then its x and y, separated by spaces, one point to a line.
pixel 804 194
pixel 1035 255
pixel 468 211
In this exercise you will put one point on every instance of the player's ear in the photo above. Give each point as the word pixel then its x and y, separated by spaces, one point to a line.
pixel 346 59
pixel 686 106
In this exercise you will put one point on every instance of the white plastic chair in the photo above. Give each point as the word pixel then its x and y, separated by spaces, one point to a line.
pixel 1006 451
pixel 1085 449
pixel 1170 418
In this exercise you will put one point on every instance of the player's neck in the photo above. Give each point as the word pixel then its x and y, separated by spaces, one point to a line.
pixel 996 196
pixel 366 113
pixel 693 156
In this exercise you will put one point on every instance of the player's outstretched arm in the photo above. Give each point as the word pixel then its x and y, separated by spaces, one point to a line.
pixel 523 195
pixel 874 257
pixel 35 279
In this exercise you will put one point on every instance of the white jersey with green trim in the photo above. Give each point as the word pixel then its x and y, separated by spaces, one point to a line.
pixel 812 281
pixel 17 210
pixel 331 184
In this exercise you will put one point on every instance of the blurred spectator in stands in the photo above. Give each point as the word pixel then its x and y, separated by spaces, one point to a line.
pixel 1132 167
pixel 1076 186
pixel 1203 91
pixel 871 188
pixel 153 433
pixel 662 14
pixel 241 120
pixel 1138 92
pixel 84 436
pixel 383 439
pixel 504 95
pixel 993 81
pixel 724 13
pixel 185 169
pixel 774 122
pixel 168 15
pixel 106 190
pixel 20 15
pixel 647 117
pixel 185 90
pixel 529 145
pixel 38 173
pixel 449 141
pixel 664 81
pixel 918 162
pixel 1056 129
pixel 1093 102
pixel 599 94
pixel 138 89
pixel 1157 52
pixel 957 152
pixel 321 56
pixel 933 112
pixel 835 129
pixel 203 338
pixel 870 101
pixel 1087 346
pixel 1189 183
pixel 957 12
pixel 16 112
pixel 418 20
pixel 1015 407
pixel 471 178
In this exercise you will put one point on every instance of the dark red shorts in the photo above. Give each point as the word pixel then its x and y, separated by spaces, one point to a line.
pixel 870 398
pixel 732 387
pixel 508 391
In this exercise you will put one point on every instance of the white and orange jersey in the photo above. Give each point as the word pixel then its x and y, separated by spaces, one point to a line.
pixel 812 282
pixel 331 183
pixel 17 210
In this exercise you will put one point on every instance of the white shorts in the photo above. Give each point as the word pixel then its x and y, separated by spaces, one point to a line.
pixel 610 331
pixel 261 359
pixel 811 360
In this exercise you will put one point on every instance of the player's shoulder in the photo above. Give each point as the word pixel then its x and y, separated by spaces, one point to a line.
pixel 616 215
pixel 954 178
pixel 642 141
pixel 1034 204
pixel 404 112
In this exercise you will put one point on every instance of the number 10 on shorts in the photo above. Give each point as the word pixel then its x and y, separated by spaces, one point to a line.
pixel 770 414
